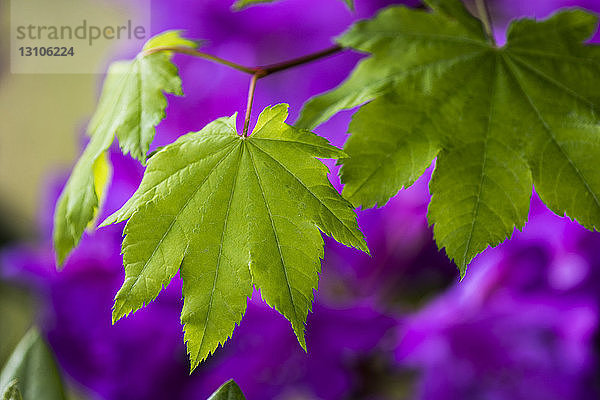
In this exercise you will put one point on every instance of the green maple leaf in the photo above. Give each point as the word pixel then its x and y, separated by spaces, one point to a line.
pixel 132 103
pixel 499 120
pixel 81 199
pixel 241 4
pixel 228 391
pixel 230 212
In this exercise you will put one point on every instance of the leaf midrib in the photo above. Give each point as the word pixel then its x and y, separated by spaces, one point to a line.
pixel 484 163
pixel 283 263
pixel 212 293
pixel 172 224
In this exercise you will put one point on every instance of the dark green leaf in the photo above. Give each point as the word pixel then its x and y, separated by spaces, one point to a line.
pixel 33 367
pixel 228 391
pixel 500 120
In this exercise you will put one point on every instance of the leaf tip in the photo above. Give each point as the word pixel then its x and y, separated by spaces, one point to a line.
pixel 462 268
pixel 362 245
pixel 303 344
pixel 300 336
pixel 117 312
pixel 60 254
pixel 108 221
pixel 193 365
pixel 350 5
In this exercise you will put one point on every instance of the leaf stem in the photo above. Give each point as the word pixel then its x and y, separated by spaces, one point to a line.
pixel 486 19
pixel 281 66
pixel 261 72
pixel 253 80
pixel 256 72
pixel 200 54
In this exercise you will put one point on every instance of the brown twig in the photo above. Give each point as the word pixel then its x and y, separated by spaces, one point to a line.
pixel 261 72
pixel 256 72
pixel 273 68
pixel 206 56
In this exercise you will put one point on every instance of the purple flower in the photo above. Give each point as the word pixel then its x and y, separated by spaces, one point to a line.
pixel 265 359
pixel 520 326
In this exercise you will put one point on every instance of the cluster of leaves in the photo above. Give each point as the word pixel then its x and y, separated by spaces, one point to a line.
pixel 231 212
pixel 228 212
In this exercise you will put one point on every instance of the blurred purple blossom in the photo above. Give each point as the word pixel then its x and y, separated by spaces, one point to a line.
pixel 520 326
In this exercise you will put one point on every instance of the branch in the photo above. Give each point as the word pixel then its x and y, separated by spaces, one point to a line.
pixel 200 54
pixel 261 72
pixel 273 68
pixel 256 72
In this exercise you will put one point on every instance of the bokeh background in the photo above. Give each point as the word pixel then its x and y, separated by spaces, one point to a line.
pixel 524 324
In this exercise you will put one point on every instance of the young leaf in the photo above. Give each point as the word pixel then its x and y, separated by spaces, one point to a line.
pixel 228 391
pixel 241 4
pixel 131 105
pixel 500 120
pixel 33 367
pixel 132 102
pixel 80 200
pixel 231 212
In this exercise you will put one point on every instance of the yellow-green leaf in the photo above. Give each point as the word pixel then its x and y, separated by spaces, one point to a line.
pixel 232 213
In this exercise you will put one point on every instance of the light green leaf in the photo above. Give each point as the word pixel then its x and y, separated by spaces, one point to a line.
pixel 80 200
pixel 228 391
pixel 170 39
pixel 499 119
pixel 33 367
pixel 132 103
pixel 230 212
pixel 241 4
